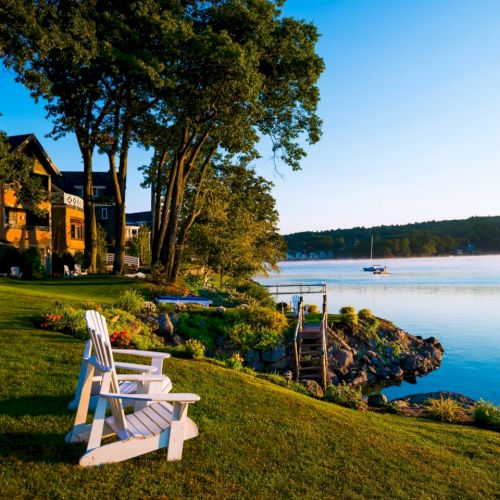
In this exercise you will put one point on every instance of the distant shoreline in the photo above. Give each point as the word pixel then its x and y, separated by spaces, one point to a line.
pixel 390 258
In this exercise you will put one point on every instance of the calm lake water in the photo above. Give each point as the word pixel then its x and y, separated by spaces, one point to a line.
pixel 455 299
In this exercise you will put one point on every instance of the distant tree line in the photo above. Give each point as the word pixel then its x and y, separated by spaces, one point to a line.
pixel 426 239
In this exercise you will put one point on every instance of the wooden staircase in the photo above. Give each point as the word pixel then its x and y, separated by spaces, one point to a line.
pixel 311 347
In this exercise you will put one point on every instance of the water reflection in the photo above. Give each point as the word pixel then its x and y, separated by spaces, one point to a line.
pixel 454 299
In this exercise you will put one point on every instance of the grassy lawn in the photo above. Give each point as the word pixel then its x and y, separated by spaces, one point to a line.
pixel 256 439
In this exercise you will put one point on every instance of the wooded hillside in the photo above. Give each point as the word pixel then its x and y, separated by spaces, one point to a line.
pixel 476 235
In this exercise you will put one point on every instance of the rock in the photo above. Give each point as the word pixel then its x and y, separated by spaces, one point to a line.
pixel 342 358
pixel 177 340
pixel 409 362
pixel 397 373
pixel 377 400
pixel 422 398
pixel 313 388
pixel 278 365
pixel 372 370
pixel 360 378
pixel 165 326
pixel 432 340
pixel 257 366
pixel 219 341
pixel 274 355
pixel 371 354
pixel 252 356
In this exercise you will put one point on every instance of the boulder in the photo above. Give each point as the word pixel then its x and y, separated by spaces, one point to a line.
pixel 342 358
pixel 377 400
pixel 313 388
pixel 274 355
pixel 276 366
pixel 165 326
pixel 252 356
pixel 423 398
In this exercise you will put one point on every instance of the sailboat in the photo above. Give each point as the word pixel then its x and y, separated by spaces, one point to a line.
pixel 375 268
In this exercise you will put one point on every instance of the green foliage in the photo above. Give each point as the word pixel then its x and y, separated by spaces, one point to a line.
pixel 9 257
pixel 369 329
pixel 278 379
pixel 347 310
pixel 235 362
pixel 365 314
pixel 312 308
pixel 130 300
pixel 350 319
pixel 486 414
pixel 32 264
pixel 409 240
pixel 16 169
pixel 445 410
pixel 195 349
pixel 345 395
pixel 65 318
pixel 102 249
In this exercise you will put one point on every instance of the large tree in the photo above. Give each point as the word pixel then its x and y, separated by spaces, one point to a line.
pixel 242 71
pixel 236 234
pixel 54 49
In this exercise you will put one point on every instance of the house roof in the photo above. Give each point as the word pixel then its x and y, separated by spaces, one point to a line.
pixel 71 178
pixel 140 218
pixel 31 145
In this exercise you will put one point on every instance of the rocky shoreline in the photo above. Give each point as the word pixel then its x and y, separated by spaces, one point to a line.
pixel 380 354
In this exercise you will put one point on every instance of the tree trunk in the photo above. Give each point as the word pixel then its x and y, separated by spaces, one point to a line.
pixel 88 211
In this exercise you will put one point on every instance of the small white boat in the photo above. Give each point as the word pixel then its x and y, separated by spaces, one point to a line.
pixel 374 268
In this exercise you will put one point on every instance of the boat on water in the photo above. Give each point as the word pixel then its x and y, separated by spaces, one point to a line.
pixel 375 268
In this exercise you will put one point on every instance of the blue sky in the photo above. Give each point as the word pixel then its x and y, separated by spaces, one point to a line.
pixel 411 109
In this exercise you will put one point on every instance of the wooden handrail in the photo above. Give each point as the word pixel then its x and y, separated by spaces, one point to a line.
pixel 324 341
pixel 298 328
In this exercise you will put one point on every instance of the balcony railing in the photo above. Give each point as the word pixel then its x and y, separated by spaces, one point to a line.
pixel 28 227
pixel 62 198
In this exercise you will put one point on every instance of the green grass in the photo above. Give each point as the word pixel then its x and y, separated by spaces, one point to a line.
pixel 256 439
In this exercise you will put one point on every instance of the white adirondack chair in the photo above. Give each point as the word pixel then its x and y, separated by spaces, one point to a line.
pixel 15 272
pixel 67 272
pixel 160 383
pixel 159 425
pixel 79 271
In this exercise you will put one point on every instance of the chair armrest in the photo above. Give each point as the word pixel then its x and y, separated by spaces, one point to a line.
pixel 140 378
pixel 146 354
pixel 176 398
pixel 135 368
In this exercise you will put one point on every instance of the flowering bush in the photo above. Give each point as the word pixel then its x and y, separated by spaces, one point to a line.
pixel 121 339
pixel 235 361
pixel 50 321
pixel 148 306
pixel 176 289
pixel 345 395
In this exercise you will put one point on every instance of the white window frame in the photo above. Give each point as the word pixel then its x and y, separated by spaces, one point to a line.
pixel 104 213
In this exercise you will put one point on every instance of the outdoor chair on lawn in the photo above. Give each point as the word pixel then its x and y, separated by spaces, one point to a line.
pixel 162 424
pixel 79 271
pixel 68 273
pixel 15 272
pixel 158 383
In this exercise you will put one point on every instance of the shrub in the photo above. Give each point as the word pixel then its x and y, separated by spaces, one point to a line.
pixel 130 300
pixel 486 414
pixel 445 410
pixel 65 319
pixel 195 349
pixel 148 307
pixel 32 264
pixel 365 314
pixel 283 306
pixel 350 319
pixel 345 395
pixel 243 336
pixel 235 362
pixel 121 339
pixel 257 292
pixel 347 310
pixel 312 308
pixel 9 257
pixel 177 289
pixel 79 258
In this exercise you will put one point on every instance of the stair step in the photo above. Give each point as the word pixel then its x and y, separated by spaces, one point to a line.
pixel 310 368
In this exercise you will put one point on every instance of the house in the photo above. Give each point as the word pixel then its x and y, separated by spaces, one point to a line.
pixel 20 226
pixel 67 222
pixel 71 182
pixel 140 219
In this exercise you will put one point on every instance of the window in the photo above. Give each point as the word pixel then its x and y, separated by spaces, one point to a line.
pixel 79 190
pixel 104 213
pixel 98 191
pixel 76 229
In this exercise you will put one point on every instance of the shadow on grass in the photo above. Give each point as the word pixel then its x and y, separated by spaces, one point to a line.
pixel 44 447
pixel 35 406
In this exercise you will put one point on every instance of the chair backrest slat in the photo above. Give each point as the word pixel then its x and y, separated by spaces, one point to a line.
pixel 96 325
